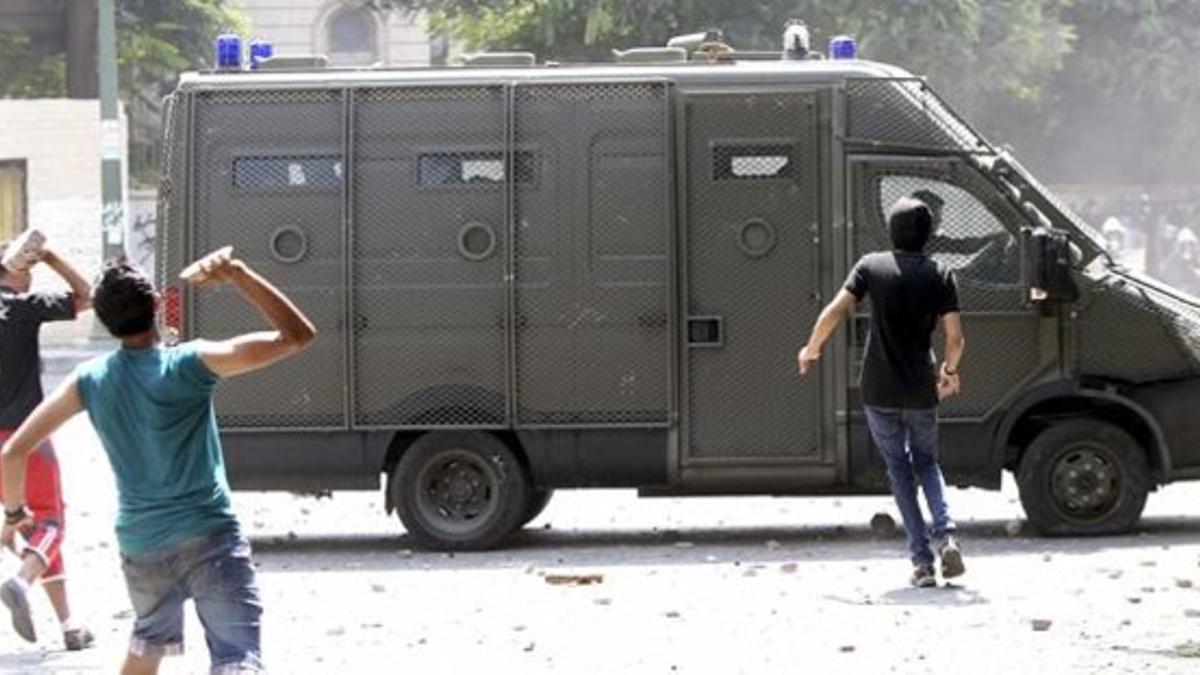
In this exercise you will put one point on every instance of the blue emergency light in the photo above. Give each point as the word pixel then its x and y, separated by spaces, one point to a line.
pixel 260 50
pixel 843 48
pixel 229 52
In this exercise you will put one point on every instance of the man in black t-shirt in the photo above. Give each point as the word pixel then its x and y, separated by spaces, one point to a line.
pixel 22 314
pixel 901 383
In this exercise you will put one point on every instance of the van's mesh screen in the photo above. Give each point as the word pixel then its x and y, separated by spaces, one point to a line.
pixel 906 112
pixel 592 265
pixel 269 179
pixel 429 256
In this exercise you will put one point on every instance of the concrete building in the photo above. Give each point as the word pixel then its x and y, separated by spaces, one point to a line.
pixel 50 152
pixel 349 32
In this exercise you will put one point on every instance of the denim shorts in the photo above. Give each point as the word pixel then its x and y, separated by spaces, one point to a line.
pixel 215 572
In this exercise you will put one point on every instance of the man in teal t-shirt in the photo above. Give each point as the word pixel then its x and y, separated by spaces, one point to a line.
pixel 152 408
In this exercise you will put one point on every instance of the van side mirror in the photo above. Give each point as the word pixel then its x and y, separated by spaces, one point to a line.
pixel 1046 268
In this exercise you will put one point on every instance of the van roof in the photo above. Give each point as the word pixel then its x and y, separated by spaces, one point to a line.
pixel 731 73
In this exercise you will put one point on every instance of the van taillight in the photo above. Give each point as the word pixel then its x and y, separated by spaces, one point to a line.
pixel 173 309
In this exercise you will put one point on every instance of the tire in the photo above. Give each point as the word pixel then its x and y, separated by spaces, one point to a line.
pixel 539 498
pixel 1083 477
pixel 460 491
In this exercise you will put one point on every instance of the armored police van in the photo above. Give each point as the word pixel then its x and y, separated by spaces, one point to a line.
pixel 528 277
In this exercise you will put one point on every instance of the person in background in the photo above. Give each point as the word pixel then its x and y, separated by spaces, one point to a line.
pixel 1182 268
pixel 901 383
pixel 22 314
pixel 152 408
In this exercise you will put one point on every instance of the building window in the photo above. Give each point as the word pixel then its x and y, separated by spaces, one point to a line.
pixel 352 35
pixel 12 198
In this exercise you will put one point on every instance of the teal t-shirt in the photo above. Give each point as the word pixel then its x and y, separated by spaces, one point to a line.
pixel 152 409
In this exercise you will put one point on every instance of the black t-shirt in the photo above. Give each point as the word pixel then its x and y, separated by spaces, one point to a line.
pixel 21 319
pixel 909 292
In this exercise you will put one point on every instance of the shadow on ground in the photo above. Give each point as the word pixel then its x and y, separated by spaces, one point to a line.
pixel 692 546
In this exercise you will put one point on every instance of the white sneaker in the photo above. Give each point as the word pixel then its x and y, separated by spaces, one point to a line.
pixel 14 595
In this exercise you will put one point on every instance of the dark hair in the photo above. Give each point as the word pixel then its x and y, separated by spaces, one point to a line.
pixel 3 250
pixel 124 299
pixel 932 199
pixel 910 223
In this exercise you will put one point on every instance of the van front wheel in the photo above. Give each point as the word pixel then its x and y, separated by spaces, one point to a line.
pixel 1083 477
pixel 460 490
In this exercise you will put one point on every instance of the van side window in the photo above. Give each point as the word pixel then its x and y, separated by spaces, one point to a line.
pixel 287 171
pixel 968 238
pixel 752 161
pixel 471 168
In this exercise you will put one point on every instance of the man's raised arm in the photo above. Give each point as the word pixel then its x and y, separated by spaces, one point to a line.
pixel 292 329
pixel 81 290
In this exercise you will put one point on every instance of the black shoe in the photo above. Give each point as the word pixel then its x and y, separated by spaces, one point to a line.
pixel 952 560
pixel 15 598
pixel 923 576
pixel 78 639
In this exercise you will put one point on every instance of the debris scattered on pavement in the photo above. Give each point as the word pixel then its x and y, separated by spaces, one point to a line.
pixel 883 525
pixel 378 588
pixel 789 568
pixel 846 649
pixel 1187 650
pixel 1192 613
pixel 671 614
pixel 1183 583
pixel 1134 600
pixel 1041 625
pixel 574 579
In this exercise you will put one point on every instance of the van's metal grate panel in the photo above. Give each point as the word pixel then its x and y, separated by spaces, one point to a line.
pixel 429 246
pixel 906 112
pixel 172 191
pixel 592 264
pixel 269 180
pixel 753 261
pixel 1137 334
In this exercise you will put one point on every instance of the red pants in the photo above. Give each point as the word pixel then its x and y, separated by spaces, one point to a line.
pixel 43 496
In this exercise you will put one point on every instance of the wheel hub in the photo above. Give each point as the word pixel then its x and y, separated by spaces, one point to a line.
pixel 458 489
pixel 1085 484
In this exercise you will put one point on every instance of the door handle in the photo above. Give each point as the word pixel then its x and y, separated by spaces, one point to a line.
pixel 706 331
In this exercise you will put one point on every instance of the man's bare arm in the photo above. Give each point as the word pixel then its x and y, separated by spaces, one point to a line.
pixel 62 404
pixel 840 308
pixel 292 329
pixel 81 290
pixel 949 382
pixel 956 342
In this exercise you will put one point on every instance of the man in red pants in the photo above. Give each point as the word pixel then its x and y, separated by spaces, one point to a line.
pixel 21 315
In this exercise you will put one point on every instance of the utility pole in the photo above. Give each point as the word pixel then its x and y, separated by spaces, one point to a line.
pixel 112 150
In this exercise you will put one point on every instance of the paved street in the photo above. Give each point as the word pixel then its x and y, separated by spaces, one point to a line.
pixel 750 585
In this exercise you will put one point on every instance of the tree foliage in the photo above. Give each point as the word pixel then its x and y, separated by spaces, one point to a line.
pixel 1082 88
pixel 25 73
pixel 156 39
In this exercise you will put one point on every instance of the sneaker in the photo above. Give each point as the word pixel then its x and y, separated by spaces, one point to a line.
pixel 923 576
pixel 77 639
pixel 952 560
pixel 15 598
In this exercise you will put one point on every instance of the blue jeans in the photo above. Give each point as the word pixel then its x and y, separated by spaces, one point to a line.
pixel 213 570
pixel 908 439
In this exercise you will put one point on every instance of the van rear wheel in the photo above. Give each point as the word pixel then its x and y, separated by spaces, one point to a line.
pixel 460 490
pixel 1083 477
